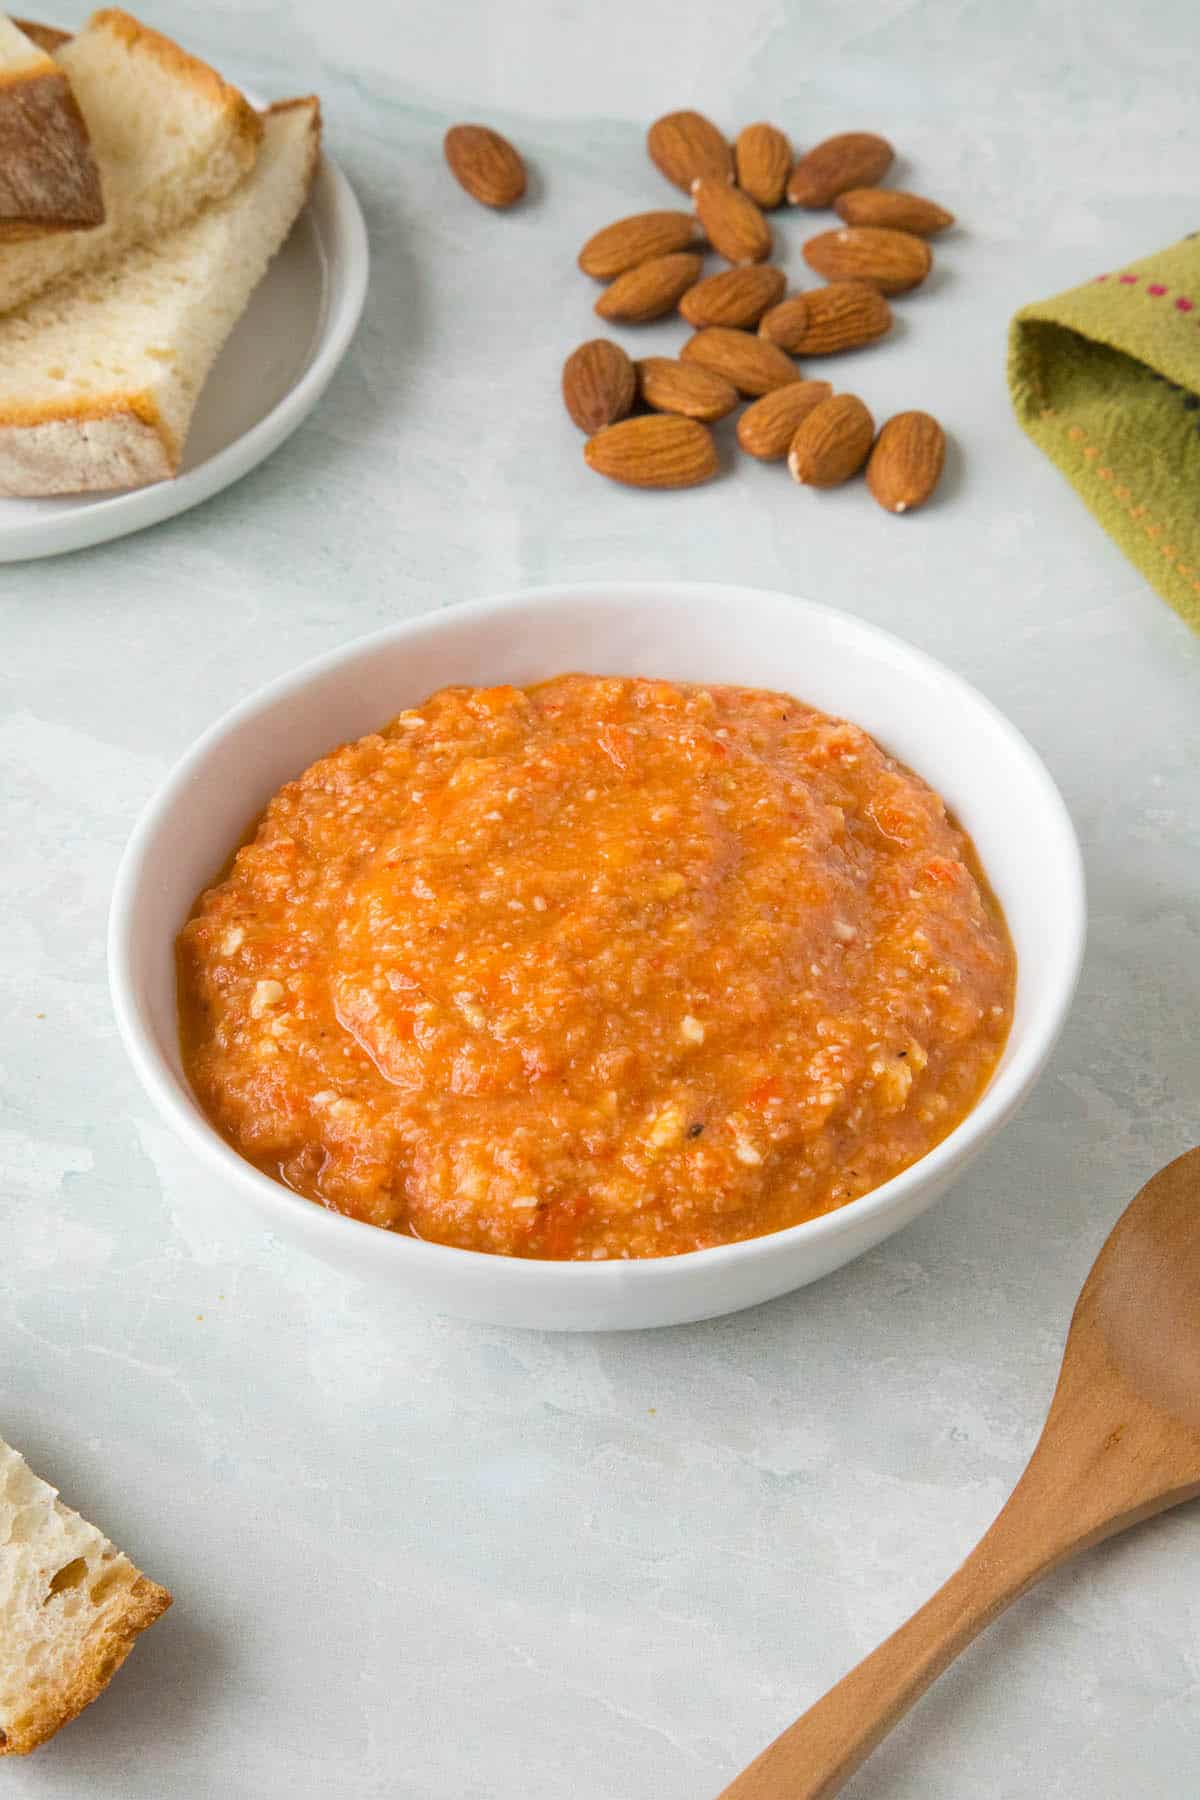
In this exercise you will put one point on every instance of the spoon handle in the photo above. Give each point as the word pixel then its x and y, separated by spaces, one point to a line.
pixel 814 1757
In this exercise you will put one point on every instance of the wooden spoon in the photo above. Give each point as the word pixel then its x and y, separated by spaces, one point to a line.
pixel 1121 1443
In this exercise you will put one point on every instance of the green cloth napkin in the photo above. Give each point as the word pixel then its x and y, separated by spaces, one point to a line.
pixel 1106 378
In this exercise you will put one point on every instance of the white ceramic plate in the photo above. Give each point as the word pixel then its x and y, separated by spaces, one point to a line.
pixel 269 376
pixel 692 632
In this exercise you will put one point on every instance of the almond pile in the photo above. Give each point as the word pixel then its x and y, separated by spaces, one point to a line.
pixel 648 421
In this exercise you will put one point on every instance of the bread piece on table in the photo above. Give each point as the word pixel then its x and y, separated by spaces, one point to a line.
pixel 99 381
pixel 167 133
pixel 48 176
pixel 71 1607
pixel 47 37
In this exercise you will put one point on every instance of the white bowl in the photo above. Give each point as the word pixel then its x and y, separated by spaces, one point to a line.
pixel 926 716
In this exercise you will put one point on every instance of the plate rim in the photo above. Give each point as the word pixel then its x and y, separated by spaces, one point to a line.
pixel 100 518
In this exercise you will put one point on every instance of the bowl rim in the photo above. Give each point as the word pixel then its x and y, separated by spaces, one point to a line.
pixel 999 1100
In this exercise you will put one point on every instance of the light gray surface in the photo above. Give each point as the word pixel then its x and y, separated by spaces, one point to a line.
pixel 432 1562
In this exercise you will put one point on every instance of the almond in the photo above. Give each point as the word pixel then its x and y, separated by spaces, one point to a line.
pixel 660 450
pixel 843 316
pixel 763 160
pixel 732 223
pixel 750 363
pixel 784 324
pixel 767 428
pixel 832 443
pixel 635 240
pixel 852 159
pixel 688 388
pixel 892 261
pixel 685 146
pixel 891 207
pixel 906 463
pixel 599 384
pixel 485 164
pixel 650 290
pixel 734 297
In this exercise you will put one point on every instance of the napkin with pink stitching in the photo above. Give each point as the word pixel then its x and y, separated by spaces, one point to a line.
pixel 1106 379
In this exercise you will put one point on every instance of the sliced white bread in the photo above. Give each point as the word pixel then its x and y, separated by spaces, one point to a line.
pixel 99 381
pixel 167 133
pixel 71 1607
pixel 48 176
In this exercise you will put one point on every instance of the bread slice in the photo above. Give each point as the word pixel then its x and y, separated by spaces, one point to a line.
pixel 168 135
pixel 99 381
pixel 48 176
pixel 71 1607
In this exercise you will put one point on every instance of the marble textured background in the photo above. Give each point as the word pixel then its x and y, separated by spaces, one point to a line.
pixel 433 1562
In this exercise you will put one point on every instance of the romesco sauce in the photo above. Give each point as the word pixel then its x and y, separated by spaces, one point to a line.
pixel 598 968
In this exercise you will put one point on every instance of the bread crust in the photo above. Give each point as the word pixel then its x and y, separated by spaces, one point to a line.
pixel 47 37
pixel 312 103
pixel 144 1603
pixel 90 451
pixel 84 408
pixel 48 176
pixel 246 122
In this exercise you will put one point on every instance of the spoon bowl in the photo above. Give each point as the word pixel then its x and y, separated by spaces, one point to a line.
pixel 1147 1299
pixel 1121 1442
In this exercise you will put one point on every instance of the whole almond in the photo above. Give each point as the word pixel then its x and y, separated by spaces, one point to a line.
pixel 650 290
pixel 734 297
pixel 852 159
pixel 686 146
pixel 660 450
pixel 599 385
pixel 832 443
pixel 684 387
pixel 893 208
pixel 843 316
pixel 892 261
pixel 732 223
pixel 751 364
pixel 485 164
pixel 906 463
pixel 635 240
pixel 767 428
pixel 763 160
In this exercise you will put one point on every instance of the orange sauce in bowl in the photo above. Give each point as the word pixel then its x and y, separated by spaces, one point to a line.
pixel 599 968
